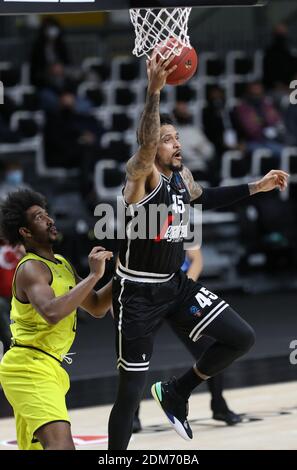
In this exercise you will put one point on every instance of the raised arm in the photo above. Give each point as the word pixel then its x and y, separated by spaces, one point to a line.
pixel 214 198
pixel 97 303
pixel 140 167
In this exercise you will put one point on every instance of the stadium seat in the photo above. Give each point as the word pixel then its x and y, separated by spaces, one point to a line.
pixel 235 87
pixel 258 157
pixel 241 64
pixel 27 123
pixel 124 96
pixel 289 160
pixel 10 75
pixel 125 69
pixel 97 68
pixel 121 122
pixel 234 165
pixel 93 92
pixel 185 93
pixel 109 177
pixel 211 65
pixel 116 147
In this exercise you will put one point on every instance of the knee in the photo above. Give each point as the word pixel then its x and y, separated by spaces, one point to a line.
pixel 246 339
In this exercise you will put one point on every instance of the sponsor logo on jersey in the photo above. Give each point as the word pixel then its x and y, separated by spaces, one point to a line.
pixel 195 311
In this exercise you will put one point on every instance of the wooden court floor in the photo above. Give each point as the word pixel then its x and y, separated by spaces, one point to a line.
pixel 269 422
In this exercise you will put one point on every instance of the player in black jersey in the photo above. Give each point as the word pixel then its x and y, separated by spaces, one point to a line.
pixel 149 284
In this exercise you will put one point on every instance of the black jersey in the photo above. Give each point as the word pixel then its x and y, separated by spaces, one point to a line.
pixel 159 253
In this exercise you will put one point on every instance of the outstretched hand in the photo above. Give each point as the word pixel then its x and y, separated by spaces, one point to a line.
pixel 272 180
pixel 157 72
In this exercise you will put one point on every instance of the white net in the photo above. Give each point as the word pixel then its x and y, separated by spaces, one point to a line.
pixel 155 26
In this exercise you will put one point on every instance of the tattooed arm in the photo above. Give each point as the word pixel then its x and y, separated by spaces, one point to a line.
pixel 194 188
pixel 213 198
pixel 141 164
pixel 142 175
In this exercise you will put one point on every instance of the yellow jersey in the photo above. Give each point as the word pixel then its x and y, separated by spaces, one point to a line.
pixel 29 328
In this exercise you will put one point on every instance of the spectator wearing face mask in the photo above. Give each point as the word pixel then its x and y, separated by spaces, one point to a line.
pixel 12 179
pixel 49 48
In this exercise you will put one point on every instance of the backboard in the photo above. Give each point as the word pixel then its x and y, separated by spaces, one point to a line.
pixel 18 7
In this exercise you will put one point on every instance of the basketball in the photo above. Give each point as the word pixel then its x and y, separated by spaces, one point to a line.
pixel 187 62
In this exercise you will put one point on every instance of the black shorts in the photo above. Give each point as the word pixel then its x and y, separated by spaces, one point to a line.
pixel 140 308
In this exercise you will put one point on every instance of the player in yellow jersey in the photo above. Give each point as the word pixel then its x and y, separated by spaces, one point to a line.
pixel 46 293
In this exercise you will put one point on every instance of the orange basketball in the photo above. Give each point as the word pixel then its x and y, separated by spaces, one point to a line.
pixel 187 62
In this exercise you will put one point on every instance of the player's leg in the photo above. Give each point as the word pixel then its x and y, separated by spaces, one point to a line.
pixel 202 312
pixel 55 436
pixel 134 354
pixel 136 322
pixel 215 384
pixel 24 436
pixel 51 436
pixel 136 427
pixel 219 407
pixel 130 392
pixel 234 337
pixel 36 385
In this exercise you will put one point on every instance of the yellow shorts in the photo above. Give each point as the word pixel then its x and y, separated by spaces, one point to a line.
pixel 35 385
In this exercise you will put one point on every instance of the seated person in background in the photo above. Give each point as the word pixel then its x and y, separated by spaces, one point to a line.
pixel 258 122
pixel 193 266
pixel 72 139
pixel 12 178
pixel 48 48
pixel 279 63
pixel 58 81
pixel 198 152
pixel 217 121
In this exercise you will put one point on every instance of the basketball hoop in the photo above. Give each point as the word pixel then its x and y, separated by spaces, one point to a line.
pixel 155 26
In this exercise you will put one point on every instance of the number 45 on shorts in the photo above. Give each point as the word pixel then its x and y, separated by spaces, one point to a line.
pixel 205 298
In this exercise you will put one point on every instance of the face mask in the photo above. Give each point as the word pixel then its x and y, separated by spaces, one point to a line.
pixel 255 100
pixel 14 177
pixel 280 39
pixel 218 103
pixel 52 32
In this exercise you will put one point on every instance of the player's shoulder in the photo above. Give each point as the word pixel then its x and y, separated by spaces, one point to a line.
pixel 185 172
pixel 32 270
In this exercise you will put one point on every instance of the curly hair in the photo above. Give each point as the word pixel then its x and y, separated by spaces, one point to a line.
pixel 13 213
